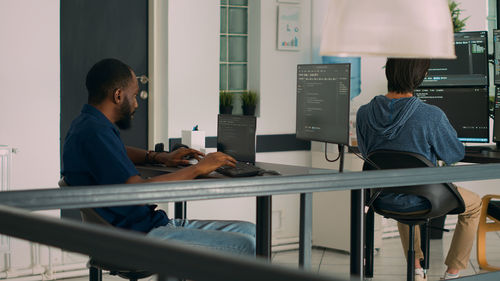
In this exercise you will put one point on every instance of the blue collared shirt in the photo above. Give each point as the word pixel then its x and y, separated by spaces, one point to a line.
pixel 94 154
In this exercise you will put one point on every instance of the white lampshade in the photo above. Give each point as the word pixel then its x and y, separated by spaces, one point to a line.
pixel 391 28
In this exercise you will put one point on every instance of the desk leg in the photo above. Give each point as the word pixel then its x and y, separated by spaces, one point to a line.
pixel 180 210
pixel 305 235
pixel 357 231
pixel 263 231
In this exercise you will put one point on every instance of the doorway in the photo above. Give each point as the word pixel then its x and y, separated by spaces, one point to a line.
pixel 92 30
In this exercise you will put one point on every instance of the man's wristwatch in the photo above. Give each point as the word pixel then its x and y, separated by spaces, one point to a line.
pixel 151 158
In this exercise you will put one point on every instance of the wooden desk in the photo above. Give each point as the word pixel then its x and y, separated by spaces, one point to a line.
pixel 264 208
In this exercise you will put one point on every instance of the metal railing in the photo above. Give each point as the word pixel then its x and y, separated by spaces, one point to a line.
pixel 129 194
pixel 169 259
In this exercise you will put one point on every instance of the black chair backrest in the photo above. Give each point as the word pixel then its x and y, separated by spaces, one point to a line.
pixel 443 197
pixel 91 216
pixel 88 215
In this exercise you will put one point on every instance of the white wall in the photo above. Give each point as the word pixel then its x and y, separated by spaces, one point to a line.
pixel 29 107
pixel 278 70
pixel 193 65
pixel 477 12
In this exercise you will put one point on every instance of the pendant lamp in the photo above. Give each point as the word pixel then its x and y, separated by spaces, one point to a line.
pixel 390 28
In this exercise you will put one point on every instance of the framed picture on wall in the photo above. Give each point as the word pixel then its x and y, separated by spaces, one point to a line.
pixel 289 28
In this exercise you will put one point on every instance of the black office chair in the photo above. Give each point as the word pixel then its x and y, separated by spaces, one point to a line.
pixel 96 267
pixel 443 198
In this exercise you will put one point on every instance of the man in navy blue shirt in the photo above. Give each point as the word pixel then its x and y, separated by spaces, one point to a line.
pixel 94 154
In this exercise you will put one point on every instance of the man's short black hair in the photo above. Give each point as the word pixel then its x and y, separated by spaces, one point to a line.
pixel 405 75
pixel 106 76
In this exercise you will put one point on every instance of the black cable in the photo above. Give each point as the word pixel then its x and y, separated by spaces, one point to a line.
pixel 366 160
pixel 326 155
pixel 377 193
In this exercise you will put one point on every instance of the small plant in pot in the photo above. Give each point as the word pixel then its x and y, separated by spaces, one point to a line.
pixel 249 102
pixel 225 102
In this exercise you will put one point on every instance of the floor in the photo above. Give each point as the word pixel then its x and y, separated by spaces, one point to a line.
pixel 389 261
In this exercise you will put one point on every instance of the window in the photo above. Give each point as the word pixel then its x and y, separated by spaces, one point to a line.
pixel 233 48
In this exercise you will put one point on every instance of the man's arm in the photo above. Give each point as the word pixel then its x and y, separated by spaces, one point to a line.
pixel 174 158
pixel 137 155
pixel 205 166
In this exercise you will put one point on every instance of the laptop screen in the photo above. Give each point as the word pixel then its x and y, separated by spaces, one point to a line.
pixel 236 136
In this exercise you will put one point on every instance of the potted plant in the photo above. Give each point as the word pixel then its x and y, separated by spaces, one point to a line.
pixel 458 24
pixel 249 102
pixel 225 102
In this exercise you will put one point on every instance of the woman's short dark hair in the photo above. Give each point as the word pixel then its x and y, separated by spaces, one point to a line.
pixel 106 76
pixel 405 75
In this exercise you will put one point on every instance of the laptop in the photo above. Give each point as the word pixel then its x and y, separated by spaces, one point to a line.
pixel 236 137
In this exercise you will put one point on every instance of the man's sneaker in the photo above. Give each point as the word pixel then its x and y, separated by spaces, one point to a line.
pixel 420 275
pixel 448 276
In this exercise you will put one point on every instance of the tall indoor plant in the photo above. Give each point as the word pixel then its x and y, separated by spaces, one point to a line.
pixel 458 24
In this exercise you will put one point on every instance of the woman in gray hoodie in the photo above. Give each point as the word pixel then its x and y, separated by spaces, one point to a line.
pixel 400 121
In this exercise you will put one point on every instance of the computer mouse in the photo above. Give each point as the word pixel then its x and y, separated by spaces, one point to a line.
pixel 188 157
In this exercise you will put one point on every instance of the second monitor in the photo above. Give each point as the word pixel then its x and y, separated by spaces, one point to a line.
pixel 466 109
pixel 323 102
pixel 470 68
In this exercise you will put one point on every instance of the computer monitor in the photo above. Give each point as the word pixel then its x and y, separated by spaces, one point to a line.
pixel 470 68
pixel 466 109
pixel 323 92
pixel 496 46
pixel 496 113
pixel 236 136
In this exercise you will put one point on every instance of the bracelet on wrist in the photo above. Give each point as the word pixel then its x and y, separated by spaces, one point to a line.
pixel 154 158
pixel 149 159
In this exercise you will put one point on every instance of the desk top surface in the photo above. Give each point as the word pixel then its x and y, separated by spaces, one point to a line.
pixel 484 156
pixel 284 170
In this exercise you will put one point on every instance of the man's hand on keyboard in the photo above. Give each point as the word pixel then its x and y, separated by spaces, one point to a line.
pixel 213 161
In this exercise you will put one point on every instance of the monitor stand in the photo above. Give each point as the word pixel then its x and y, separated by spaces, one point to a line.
pixel 496 147
pixel 341 163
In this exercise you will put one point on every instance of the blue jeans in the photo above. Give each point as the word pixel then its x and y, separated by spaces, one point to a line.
pixel 236 237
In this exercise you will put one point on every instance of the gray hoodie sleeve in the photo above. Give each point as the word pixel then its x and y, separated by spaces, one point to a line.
pixel 443 140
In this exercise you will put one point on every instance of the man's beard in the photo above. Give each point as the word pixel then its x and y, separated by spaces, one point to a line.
pixel 125 121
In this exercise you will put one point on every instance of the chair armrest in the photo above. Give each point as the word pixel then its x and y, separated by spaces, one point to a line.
pixel 486 201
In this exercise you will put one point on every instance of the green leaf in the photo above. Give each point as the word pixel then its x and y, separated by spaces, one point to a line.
pixel 458 24
pixel 249 98
pixel 225 98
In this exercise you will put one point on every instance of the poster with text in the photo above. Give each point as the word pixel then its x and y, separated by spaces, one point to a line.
pixel 289 27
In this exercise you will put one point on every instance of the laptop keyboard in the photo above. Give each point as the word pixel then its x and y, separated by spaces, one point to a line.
pixel 242 169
